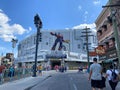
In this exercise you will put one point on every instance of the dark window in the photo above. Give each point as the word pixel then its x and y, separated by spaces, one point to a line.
pixel 99 32
pixel 109 20
pixel 78 46
pixel 104 27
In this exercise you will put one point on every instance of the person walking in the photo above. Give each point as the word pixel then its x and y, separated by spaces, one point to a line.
pixel 40 70
pixel 2 68
pixel 103 78
pixel 11 72
pixel 109 72
pixel 95 75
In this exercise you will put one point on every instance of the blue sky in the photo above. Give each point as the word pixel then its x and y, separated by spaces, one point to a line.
pixel 16 17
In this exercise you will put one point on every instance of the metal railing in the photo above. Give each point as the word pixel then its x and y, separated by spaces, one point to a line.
pixel 18 74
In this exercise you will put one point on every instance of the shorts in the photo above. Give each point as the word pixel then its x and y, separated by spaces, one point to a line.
pixel 96 84
pixel 40 71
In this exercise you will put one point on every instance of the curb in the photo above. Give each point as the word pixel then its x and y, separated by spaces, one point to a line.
pixel 28 88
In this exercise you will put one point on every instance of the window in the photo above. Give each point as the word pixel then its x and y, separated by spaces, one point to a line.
pixel 78 46
pixel 106 46
pixel 112 42
pixel 109 20
pixel 99 32
pixel 104 27
pixel 46 43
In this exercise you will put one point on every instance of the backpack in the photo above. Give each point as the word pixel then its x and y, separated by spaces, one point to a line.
pixel 114 76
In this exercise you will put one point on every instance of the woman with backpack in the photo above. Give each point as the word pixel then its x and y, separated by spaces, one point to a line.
pixel 111 76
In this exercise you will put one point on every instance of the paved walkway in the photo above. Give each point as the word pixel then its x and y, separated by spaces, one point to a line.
pixel 25 83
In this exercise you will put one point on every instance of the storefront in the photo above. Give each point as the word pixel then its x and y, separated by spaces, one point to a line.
pixel 109 57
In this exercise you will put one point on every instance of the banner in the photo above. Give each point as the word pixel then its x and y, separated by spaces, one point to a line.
pixel 100 50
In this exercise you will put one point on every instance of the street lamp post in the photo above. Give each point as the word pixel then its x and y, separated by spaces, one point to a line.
pixel 38 24
pixel 14 41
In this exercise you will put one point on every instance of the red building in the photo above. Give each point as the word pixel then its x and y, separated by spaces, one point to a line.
pixel 106 31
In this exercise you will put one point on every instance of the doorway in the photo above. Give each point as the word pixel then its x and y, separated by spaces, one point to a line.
pixel 53 63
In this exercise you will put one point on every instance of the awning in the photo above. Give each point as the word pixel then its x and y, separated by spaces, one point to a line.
pixel 109 60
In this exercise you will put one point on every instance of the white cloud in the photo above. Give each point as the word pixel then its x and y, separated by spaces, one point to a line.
pixel 83 26
pixel 8 31
pixel 86 12
pixel 29 29
pixel 3 18
pixel 85 16
pixel 7 37
pixel 96 2
pixel 79 7
pixel 0 10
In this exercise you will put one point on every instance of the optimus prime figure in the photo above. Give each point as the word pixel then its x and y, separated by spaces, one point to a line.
pixel 59 39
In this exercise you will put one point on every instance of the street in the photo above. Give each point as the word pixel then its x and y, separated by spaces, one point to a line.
pixel 52 80
pixel 65 81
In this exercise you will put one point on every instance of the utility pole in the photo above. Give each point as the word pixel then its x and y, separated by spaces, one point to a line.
pixel 116 33
pixel 38 24
pixel 87 47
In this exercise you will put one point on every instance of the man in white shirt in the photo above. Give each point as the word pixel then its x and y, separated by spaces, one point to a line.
pixel 109 76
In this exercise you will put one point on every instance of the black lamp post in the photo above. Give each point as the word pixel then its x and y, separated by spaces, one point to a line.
pixel 14 41
pixel 38 24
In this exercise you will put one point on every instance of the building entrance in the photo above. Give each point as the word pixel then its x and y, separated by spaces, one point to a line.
pixel 53 63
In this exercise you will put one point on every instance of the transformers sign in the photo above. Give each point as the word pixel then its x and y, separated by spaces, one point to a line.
pixel 59 39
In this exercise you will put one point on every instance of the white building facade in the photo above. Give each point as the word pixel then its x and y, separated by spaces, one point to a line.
pixel 75 50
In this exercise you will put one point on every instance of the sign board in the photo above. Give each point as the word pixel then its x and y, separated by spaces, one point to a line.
pixel 92 53
pixel 100 50
pixel 56 54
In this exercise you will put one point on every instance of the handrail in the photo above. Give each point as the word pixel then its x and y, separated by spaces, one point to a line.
pixel 17 74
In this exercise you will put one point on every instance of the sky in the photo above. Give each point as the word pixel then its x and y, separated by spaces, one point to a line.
pixel 17 17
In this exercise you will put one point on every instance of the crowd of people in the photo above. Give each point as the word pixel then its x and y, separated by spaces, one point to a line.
pixel 61 68
pixel 2 67
pixel 11 71
pixel 97 74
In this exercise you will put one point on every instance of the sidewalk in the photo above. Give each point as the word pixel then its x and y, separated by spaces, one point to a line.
pixel 25 83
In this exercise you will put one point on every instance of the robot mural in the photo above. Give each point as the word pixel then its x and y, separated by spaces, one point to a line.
pixel 59 39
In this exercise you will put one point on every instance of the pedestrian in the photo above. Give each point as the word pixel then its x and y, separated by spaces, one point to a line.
pixel 95 75
pixel 65 68
pixel 34 70
pixel 109 76
pixel 103 83
pixel 62 68
pixel 2 68
pixel 80 69
pixel 11 72
pixel 56 68
pixel 40 69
